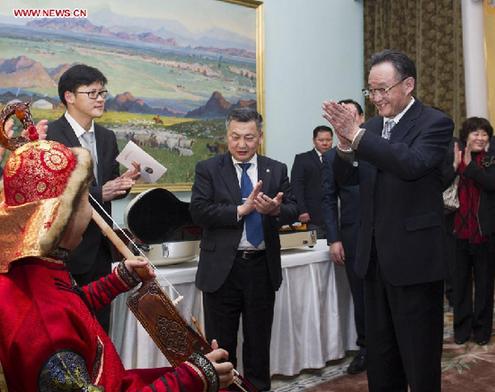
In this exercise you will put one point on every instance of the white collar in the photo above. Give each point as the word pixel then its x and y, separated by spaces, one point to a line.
pixel 78 129
pixel 401 114
pixel 253 161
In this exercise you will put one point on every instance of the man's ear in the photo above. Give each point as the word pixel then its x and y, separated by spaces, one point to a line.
pixel 410 83
pixel 69 97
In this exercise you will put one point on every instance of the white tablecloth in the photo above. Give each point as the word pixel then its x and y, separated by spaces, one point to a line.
pixel 313 319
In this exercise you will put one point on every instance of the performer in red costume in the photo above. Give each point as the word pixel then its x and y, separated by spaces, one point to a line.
pixel 50 339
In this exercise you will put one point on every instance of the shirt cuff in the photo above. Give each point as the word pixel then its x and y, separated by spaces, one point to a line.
pixel 346 154
pixel 357 138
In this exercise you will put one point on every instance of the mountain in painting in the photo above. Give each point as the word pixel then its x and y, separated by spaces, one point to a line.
pixel 126 102
pixel 169 28
pixel 218 107
pixel 24 72
pixel 85 26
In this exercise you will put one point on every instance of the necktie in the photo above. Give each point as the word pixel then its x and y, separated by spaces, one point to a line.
pixel 90 144
pixel 387 129
pixel 254 225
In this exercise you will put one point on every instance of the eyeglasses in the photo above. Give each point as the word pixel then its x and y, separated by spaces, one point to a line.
pixel 371 92
pixel 94 94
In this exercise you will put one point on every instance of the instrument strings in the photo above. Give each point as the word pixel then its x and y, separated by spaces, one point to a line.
pixel 237 381
pixel 179 297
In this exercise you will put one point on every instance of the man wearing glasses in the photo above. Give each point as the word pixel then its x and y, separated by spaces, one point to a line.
pixel 396 158
pixel 82 90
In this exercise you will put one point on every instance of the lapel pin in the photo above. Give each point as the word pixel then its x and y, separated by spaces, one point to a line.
pixel 268 170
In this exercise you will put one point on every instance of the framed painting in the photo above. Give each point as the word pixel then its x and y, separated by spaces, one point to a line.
pixel 174 69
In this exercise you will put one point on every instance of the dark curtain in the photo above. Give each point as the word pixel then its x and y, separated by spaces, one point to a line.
pixel 430 32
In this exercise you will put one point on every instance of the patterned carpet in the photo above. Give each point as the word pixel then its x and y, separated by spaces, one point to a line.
pixel 467 367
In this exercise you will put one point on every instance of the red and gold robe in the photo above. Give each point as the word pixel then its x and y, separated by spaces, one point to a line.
pixel 50 339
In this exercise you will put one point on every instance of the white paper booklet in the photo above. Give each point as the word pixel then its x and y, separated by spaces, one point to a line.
pixel 151 169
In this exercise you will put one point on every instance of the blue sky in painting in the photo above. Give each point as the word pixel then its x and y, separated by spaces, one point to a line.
pixel 196 16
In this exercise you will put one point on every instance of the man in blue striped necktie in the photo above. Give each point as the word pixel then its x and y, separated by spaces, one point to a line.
pixel 241 198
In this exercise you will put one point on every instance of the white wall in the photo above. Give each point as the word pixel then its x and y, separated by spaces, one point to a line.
pixel 313 51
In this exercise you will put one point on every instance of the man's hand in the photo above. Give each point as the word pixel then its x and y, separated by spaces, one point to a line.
pixel 248 206
pixel 304 217
pixel 132 173
pixel 266 205
pixel 225 370
pixel 337 254
pixel 139 262
pixel 343 121
pixel 42 128
pixel 115 188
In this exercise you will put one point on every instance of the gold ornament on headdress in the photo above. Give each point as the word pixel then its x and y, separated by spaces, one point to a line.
pixel 21 111
pixel 41 180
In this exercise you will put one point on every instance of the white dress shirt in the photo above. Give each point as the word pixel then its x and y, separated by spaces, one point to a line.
pixel 79 131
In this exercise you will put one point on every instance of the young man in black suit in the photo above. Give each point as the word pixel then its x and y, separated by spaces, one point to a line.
pixel 82 90
pixel 340 208
pixel 241 199
pixel 396 158
pixel 306 179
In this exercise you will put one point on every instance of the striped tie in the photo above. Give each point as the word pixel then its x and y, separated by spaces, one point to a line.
pixel 254 222
pixel 387 129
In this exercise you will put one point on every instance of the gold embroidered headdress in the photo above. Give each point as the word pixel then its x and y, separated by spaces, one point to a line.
pixel 41 180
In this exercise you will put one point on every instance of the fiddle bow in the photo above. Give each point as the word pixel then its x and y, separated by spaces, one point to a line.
pixel 158 314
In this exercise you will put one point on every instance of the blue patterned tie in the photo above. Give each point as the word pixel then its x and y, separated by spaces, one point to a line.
pixel 387 129
pixel 254 225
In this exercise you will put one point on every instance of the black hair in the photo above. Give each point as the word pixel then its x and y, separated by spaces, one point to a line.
pixel 472 124
pixel 321 128
pixel 78 75
pixel 352 102
pixel 402 63
pixel 244 114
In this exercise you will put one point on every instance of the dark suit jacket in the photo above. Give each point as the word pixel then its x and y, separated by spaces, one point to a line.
pixel 83 257
pixel 306 182
pixel 214 200
pixel 401 195
pixel 341 221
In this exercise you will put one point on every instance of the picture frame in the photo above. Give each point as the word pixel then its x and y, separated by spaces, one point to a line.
pixel 174 69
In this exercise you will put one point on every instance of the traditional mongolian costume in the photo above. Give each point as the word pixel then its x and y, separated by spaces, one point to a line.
pixel 50 339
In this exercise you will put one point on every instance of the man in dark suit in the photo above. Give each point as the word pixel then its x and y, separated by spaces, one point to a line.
pixel 82 90
pixel 306 179
pixel 396 158
pixel 340 206
pixel 241 199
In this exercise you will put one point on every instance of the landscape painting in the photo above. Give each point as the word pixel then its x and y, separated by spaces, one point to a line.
pixel 174 68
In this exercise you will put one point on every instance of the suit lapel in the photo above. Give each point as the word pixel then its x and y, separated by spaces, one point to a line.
pixel 316 159
pixel 229 177
pixel 264 173
pixel 69 133
pixel 100 149
pixel 406 123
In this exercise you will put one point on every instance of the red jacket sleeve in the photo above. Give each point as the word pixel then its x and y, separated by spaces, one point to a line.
pixel 102 291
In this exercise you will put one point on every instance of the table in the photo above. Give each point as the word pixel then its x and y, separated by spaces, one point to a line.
pixel 313 318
